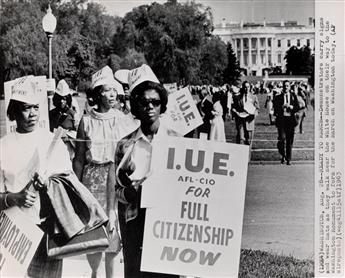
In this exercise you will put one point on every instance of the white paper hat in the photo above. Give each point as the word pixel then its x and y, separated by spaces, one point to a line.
pixel 25 91
pixel 105 77
pixel 62 88
pixel 235 89
pixel 140 75
pixel 121 75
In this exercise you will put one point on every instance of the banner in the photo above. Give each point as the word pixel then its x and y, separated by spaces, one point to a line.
pixel 195 199
pixel 182 114
pixel 19 239
pixel 41 85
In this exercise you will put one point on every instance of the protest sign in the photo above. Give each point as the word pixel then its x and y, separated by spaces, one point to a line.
pixel 19 239
pixel 182 114
pixel 195 200
pixel 41 86
pixel 170 87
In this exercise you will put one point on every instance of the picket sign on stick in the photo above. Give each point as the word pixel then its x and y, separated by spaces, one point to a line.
pixel 182 115
pixel 193 181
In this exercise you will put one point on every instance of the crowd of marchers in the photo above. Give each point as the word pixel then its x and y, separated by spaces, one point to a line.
pixel 91 178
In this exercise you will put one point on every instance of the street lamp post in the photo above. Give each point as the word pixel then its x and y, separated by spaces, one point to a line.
pixel 49 25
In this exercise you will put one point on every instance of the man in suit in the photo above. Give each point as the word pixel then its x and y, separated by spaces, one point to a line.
pixel 205 107
pixel 285 106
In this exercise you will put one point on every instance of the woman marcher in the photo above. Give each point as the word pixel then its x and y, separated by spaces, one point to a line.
pixel 302 101
pixel 148 101
pixel 269 103
pixel 64 115
pixel 23 156
pixel 217 132
pixel 98 133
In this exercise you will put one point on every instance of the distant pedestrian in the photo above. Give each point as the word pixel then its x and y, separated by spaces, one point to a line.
pixel 217 131
pixel 205 108
pixel 302 102
pixel 245 108
pixel 269 104
pixel 285 107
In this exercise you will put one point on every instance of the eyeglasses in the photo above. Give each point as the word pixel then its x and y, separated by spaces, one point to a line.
pixel 145 102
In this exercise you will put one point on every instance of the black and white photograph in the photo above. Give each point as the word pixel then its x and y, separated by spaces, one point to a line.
pixel 172 138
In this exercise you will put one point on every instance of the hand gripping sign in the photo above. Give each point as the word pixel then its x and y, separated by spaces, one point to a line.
pixel 195 203
pixel 182 114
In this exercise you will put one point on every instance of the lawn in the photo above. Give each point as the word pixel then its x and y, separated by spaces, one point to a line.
pixel 259 264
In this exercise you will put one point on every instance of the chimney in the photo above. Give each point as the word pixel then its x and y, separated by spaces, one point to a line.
pixel 310 21
pixel 223 22
pixel 282 23
pixel 264 22
pixel 241 23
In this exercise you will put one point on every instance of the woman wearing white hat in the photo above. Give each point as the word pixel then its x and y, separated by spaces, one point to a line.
pixel 148 101
pixel 97 137
pixel 63 115
pixel 23 155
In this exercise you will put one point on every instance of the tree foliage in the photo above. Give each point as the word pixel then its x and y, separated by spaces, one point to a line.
pixel 82 41
pixel 299 61
pixel 232 71
pixel 174 39
pixel 177 42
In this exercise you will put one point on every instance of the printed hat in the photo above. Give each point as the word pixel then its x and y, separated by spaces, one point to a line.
pixel 235 89
pixel 25 91
pixel 121 75
pixel 62 88
pixel 105 77
pixel 140 75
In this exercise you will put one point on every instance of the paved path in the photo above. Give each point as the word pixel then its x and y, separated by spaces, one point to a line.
pixel 278 216
pixel 279 209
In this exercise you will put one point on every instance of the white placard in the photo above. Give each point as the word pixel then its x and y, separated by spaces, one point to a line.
pixel 182 115
pixel 194 226
pixel 19 239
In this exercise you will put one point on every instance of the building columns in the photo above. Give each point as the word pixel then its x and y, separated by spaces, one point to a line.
pixel 273 48
pixel 241 58
pixel 249 52
pixel 266 51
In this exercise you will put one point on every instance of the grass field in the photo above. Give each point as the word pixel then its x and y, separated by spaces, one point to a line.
pixel 258 264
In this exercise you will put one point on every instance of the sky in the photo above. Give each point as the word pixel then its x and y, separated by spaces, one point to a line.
pixel 234 10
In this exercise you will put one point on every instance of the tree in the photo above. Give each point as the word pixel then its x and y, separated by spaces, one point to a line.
pixel 232 71
pixel 213 61
pixel 82 41
pixel 172 37
pixel 299 61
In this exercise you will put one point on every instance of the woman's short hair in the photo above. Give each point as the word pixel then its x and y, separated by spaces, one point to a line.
pixel 13 108
pixel 94 94
pixel 57 99
pixel 139 90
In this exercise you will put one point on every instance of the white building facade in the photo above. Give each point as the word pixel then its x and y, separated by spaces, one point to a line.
pixel 259 46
